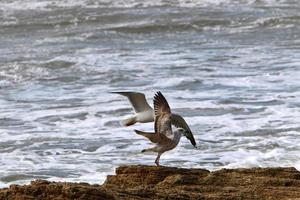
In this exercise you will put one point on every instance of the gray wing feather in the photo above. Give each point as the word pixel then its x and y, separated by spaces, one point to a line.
pixel 137 100
pixel 162 124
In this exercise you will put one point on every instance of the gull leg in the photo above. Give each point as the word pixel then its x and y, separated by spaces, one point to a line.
pixel 157 159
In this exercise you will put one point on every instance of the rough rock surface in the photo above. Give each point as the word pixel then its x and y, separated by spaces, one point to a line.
pixel 150 182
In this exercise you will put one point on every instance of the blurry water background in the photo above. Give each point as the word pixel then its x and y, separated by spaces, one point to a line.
pixel 230 67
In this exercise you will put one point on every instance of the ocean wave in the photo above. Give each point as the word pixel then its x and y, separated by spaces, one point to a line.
pixel 54 4
pixel 16 73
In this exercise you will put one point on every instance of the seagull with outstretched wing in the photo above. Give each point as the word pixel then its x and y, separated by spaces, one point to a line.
pixel 164 137
pixel 143 113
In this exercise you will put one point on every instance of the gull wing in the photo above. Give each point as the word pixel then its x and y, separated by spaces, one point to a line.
pixel 162 112
pixel 137 100
pixel 179 122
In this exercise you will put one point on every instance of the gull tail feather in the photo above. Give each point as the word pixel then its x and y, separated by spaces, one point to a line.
pixel 149 150
pixel 128 122
pixel 151 136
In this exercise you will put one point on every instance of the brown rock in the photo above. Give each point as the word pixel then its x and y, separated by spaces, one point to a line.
pixel 45 190
pixel 151 182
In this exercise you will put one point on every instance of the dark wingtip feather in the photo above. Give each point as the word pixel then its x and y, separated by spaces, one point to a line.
pixel 193 142
pixel 190 137
pixel 158 101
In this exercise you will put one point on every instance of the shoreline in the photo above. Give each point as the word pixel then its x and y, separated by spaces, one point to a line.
pixel 151 182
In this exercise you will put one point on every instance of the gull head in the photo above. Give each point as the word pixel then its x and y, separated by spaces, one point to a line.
pixel 188 134
pixel 182 131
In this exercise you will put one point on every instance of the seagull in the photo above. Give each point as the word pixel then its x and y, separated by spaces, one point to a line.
pixel 164 138
pixel 143 113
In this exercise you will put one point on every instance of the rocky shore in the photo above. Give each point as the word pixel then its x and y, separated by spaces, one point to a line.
pixel 150 182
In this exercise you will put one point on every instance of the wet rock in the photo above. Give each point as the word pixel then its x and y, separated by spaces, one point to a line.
pixel 151 182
